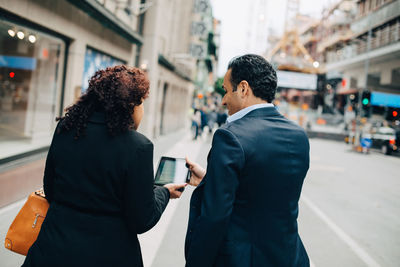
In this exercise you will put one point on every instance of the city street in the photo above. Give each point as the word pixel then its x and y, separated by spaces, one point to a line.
pixel 347 211
pixel 330 66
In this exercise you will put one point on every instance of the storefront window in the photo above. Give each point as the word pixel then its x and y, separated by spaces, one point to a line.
pixel 31 67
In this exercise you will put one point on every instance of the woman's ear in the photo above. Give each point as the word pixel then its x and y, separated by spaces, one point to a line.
pixel 137 115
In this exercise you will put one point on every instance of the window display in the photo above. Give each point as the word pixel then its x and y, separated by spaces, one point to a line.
pixel 31 67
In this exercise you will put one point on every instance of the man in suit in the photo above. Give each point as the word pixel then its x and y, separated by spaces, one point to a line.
pixel 244 209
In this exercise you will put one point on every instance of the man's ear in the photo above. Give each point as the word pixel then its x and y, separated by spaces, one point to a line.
pixel 244 88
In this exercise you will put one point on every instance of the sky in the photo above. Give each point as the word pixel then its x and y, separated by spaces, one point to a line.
pixel 234 16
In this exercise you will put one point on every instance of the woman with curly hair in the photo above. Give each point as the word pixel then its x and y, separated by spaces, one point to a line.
pixel 99 178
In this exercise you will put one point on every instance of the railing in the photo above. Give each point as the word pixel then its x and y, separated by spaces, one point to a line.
pixel 378 17
pixel 334 38
pixel 381 37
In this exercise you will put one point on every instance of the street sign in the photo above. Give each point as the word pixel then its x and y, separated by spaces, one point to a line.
pixel 199 29
pixel 198 50
pixel 201 6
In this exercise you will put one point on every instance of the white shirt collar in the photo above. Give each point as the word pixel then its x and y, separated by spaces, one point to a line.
pixel 241 113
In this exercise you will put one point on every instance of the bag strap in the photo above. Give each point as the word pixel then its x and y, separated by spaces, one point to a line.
pixel 40 192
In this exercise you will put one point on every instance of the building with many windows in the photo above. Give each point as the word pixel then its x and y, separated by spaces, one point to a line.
pixel 358 44
pixel 50 49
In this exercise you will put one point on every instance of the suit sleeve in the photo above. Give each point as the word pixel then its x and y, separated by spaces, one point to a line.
pixel 225 161
pixel 144 202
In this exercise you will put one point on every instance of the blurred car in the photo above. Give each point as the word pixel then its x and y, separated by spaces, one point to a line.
pixel 384 138
pixel 397 129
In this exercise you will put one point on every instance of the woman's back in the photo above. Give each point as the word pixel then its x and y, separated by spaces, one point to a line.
pixel 99 178
pixel 94 167
pixel 101 195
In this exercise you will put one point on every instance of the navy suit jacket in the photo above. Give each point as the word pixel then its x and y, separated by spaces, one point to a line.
pixel 244 212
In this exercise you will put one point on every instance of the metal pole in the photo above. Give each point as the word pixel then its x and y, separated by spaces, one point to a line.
pixel 365 86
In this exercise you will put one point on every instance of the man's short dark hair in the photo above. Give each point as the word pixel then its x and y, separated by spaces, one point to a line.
pixel 257 72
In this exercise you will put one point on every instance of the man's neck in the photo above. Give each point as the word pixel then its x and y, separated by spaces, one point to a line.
pixel 254 101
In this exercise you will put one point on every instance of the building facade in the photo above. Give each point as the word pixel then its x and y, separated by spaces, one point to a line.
pixel 50 49
pixel 165 55
pixel 370 58
pixel 358 44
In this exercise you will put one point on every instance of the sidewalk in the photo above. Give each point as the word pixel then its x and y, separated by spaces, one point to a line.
pixel 164 244
pixel 161 246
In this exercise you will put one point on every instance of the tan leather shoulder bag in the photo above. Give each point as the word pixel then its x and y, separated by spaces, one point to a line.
pixel 25 228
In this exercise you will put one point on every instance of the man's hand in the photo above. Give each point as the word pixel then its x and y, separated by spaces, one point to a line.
pixel 197 172
pixel 173 190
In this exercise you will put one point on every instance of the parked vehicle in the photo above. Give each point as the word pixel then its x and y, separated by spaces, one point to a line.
pixel 384 138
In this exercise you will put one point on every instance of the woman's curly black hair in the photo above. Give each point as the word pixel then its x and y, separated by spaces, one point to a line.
pixel 114 91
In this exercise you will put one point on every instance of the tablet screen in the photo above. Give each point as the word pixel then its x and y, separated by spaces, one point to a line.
pixel 171 170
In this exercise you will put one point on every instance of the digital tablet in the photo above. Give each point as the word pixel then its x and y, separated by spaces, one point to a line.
pixel 171 170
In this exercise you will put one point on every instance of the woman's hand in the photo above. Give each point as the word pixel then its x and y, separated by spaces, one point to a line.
pixel 174 190
pixel 196 171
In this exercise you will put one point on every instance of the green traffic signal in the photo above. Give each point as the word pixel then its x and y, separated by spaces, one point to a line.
pixel 365 101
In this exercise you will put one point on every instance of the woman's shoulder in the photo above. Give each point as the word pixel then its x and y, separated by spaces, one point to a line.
pixel 138 138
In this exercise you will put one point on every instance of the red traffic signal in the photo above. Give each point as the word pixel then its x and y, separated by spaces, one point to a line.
pixel 12 74
pixel 395 113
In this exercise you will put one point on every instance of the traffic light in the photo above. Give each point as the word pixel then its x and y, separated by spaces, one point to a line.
pixel 365 98
pixel 365 101
pixel 393 114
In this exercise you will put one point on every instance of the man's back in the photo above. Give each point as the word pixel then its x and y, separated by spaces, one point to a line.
pixel 244 211
pixel 265 209
pixel 260 228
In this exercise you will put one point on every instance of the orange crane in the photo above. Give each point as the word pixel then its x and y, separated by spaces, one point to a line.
pixel 289 53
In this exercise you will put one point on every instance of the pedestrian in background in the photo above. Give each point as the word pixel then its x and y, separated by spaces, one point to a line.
pixel 244 210
pixel 99 178
pixel 221 117
pixel 204 118
pixel 212 119
pixel 196 121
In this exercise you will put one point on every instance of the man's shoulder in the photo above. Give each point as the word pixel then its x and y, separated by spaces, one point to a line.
pixel 253 124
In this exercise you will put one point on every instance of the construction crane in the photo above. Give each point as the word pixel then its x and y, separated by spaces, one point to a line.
pixel 289 53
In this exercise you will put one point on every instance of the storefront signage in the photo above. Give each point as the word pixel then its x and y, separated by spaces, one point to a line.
pixel 296 80
pixel 386 100
pixel 23 63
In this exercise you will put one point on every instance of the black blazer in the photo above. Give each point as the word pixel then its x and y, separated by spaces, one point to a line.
pixel 244 211
pixel 101 193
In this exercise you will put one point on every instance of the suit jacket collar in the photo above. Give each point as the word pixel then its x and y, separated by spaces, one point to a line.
pixel 263 112
pixel 98 117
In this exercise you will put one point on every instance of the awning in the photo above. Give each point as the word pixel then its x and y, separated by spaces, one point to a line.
pixel 106 18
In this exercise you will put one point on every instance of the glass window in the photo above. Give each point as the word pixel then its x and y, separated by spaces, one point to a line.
pixel 31 67
pixel 94 61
